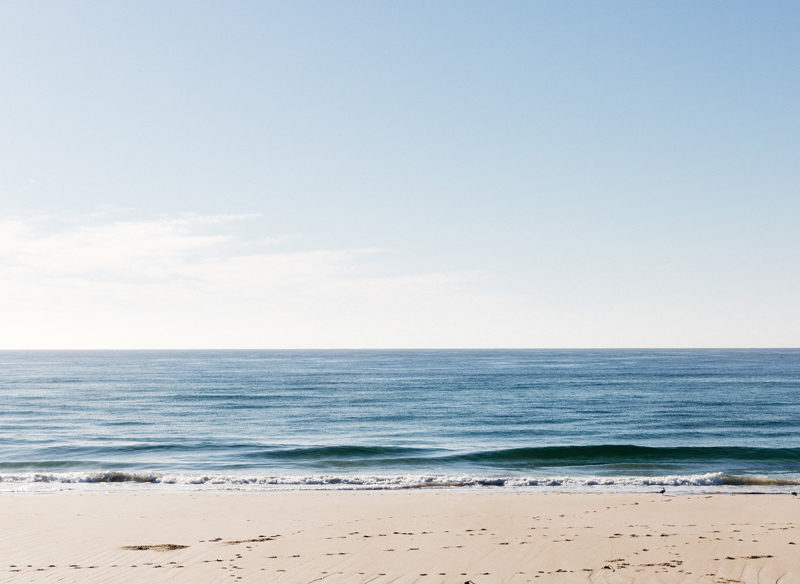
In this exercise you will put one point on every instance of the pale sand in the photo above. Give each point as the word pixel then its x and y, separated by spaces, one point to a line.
pixel 381 537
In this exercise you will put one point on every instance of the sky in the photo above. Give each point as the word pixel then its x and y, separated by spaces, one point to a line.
pixel 399 174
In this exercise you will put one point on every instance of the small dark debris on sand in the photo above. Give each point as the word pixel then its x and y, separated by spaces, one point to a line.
pixel 161 547
pixel 258 539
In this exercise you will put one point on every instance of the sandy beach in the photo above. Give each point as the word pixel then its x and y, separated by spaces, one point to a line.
pixel 412 536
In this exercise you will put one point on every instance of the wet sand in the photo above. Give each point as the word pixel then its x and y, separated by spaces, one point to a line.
pixel 399 537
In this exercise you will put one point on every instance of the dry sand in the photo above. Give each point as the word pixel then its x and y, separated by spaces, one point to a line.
pixel 382 537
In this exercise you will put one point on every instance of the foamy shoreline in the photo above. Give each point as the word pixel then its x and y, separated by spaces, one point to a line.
pixel 426 536
pixel 91 481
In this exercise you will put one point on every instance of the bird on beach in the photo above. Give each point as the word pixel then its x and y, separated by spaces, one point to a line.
pixel 662 491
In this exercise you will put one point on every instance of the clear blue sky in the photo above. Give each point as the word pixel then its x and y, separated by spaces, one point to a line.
pixel 375 174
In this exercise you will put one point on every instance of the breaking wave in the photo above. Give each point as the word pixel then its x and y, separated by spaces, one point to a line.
pixel 58 481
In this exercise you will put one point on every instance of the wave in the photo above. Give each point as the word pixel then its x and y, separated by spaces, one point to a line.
pixel 628 453
pixel 614 459
pixel 531 457
pixel 19 481
pixel 342 452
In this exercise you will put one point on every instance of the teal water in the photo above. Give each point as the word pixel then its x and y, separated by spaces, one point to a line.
pixel 389 419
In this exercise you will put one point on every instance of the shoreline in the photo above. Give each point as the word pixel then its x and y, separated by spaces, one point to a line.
pixel 423 535
pixel 193 482
pixel 96 489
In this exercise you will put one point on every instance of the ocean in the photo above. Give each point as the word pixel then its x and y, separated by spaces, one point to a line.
pixel 585 420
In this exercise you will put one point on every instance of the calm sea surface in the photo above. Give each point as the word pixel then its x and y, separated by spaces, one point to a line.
pixel 566 419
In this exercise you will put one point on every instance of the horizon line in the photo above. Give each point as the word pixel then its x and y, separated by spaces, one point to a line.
pixel 598 348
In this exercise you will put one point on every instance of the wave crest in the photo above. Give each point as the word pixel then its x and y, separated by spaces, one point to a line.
pixel 20 481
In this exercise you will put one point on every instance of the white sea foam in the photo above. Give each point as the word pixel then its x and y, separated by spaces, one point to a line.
pixel 42 482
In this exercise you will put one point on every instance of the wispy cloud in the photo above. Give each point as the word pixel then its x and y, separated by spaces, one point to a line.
pixel 218 281
pixel 143 248
pixel 197 280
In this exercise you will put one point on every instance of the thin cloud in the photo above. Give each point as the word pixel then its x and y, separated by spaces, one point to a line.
pixel 174 273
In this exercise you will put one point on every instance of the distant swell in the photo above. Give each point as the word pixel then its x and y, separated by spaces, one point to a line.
pixel 340 452
pixel 611 454
pixel 322 458
pixel 625 453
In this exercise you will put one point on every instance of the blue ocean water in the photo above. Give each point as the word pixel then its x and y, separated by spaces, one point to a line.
pixel 569 419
